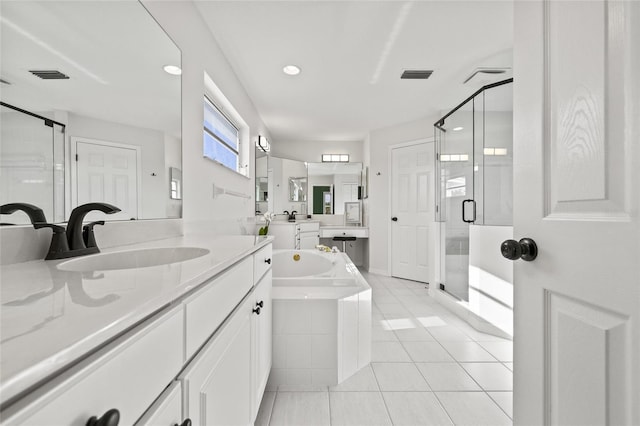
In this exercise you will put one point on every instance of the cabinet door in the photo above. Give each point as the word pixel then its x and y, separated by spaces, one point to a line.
pixel 167 410
pixel 218 381
pixel 261 340
pixel 309 240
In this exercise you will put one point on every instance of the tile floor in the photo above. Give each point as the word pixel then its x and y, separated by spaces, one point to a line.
pixel 428 367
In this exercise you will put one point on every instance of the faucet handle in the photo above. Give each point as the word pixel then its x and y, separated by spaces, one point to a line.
pixel 59 247
pixel 87 233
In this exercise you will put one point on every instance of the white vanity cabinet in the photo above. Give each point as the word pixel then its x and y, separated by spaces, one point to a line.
pixel 127 375
pixel 206 356
pixel 295 235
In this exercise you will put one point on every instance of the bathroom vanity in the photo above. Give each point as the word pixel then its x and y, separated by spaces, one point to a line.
pixel 297 235
pixel 159 344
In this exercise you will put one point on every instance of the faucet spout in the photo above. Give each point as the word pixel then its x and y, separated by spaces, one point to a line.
pixel 35 213
pixel 74 227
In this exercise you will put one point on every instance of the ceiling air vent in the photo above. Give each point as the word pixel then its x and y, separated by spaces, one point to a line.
pixel 49 74
pixel 416 74
pixel 485 75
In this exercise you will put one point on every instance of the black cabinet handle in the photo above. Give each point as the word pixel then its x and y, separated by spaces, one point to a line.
pixel 395 219
pixel 110 418
pixel 260 303
pixel 187 422
pixel 525 249
pixel 256 311
pixel 267 261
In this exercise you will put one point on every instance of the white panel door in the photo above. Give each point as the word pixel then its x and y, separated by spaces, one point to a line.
pixel 107 173
pixel 577 180
pixel 411 210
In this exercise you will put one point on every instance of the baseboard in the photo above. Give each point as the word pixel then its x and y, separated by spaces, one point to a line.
pixel 379 272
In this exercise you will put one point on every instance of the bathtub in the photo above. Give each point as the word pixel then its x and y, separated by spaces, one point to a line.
pixel 321 318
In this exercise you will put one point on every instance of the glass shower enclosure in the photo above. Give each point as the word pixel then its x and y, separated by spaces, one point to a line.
pixel 474 162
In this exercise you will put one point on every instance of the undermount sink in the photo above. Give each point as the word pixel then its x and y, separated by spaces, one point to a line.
pixel 132 259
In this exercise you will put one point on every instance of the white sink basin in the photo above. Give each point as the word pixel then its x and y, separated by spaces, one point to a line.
pixel 132 259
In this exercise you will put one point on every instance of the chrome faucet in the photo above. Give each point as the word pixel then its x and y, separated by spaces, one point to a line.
pixel 35 213
pixel 76 240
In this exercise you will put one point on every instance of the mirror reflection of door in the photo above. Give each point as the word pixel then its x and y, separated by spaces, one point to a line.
pixel 319 199
pixel 109 173
pixel 326 202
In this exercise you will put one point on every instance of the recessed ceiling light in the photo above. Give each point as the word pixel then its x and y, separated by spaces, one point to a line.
pixel 291 70
pixel 457 129
pixel 172 69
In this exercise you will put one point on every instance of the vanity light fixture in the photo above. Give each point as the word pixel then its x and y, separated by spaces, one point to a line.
pixel 335 158
pixel 291 70
pixel 172 69
pixel 457 129
pixel 263 144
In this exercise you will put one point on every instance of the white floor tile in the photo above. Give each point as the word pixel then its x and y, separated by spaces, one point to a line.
pixel 358 409
pixel 427 352
pixel 382 334
pixel 466 351
pixel 301 408
pixel 363 381
pixel 504 400
pixel 415 408
pixel 509 365
pixel 491 376
pixel 302 388
pixel 266 407
pixel 417 334
pixel 503 351
pixel 448 332
pixel 388 352
pixel 447 377
pixel 472 409
pixel 392 308
pixel 399 376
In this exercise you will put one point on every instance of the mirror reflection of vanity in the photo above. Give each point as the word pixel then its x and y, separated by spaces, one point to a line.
pixel 110 126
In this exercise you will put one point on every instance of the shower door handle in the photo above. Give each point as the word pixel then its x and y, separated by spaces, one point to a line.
pixel 464 217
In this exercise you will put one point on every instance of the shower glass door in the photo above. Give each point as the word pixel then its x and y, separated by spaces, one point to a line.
pixel 454 137
pixel 475 164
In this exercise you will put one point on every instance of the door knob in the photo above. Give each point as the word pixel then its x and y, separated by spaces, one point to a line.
pixel 525 249
pixel 395 219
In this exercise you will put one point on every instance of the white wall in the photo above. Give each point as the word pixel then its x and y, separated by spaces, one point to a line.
pixel 311 151
pixel 200 54
pixel 377 205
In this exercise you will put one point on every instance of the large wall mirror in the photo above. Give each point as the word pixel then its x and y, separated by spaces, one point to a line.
pixel 96 69
pixel 331 185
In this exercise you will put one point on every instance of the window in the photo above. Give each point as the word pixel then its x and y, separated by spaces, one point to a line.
pixel 221 137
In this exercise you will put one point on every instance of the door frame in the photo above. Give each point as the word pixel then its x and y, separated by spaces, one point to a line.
pixel 390 149
pixel 73 185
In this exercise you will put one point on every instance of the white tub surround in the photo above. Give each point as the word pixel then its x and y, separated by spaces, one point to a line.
pixel 322 322
pixel 63 331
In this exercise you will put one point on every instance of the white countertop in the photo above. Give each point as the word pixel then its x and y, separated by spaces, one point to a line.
pixel 49 318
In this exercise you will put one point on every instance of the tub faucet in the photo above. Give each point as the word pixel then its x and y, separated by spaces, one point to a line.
pixel 35 213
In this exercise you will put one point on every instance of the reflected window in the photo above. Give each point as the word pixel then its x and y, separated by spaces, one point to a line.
pixel 456 187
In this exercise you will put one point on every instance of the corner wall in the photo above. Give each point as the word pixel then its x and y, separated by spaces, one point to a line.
pixel 200 54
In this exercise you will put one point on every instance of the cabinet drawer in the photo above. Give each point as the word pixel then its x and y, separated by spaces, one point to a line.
pixel 127 375
pixel 261 263
pixel 309 226
pixel 206 309
pixel 358 233
pixel 167 410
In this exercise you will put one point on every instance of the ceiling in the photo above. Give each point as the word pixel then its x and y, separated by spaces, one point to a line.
pixel 352 54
